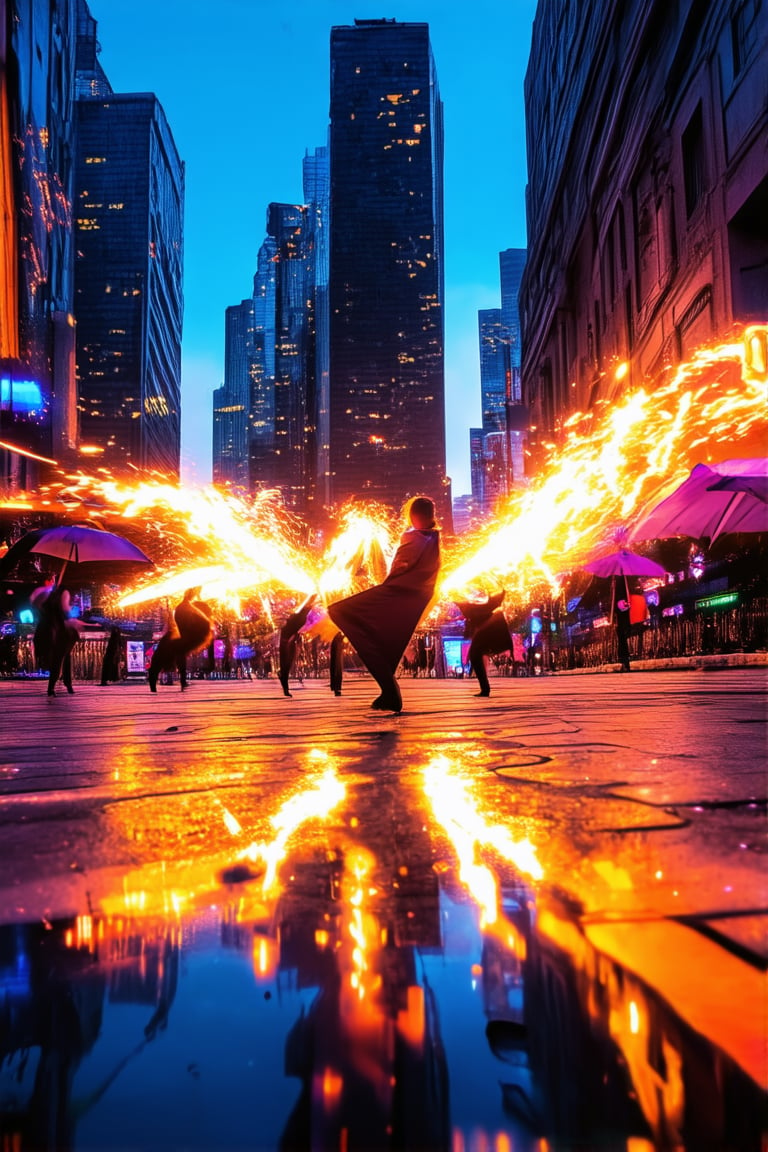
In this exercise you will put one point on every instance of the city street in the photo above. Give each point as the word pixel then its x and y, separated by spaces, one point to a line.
pixel 539 915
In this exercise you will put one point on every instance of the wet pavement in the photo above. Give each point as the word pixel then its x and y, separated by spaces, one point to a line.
pixel 233 920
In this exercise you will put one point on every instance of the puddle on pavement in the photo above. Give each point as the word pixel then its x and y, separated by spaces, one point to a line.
pixel 333 1018
pixel 389 971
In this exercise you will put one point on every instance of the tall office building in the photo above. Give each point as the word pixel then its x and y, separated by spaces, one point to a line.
pixel 38 414
pixel 294 462
pixel 493 369
pixel 231 402
pixel 664 247
pixel 261 415
pixel 129 190
pixel 387 407
pixel 511 268
pixel 316 196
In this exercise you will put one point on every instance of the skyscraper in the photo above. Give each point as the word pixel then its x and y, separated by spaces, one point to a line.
pixel 38 413
pixel 511 267
pixel 291 464
pixel 231 402
pixel 129 189
pixel 261 417
pixel 493 367
pixel 387 407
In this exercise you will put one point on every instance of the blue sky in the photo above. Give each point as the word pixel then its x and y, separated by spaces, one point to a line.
pixel 245 86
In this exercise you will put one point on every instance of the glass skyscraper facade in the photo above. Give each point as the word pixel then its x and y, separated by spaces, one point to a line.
pixel 261 417
pixel 129 193
pixel 37 397
pixel 231 402
pixel 387 406
pixel 493 364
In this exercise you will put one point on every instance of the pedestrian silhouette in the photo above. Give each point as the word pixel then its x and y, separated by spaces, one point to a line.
pixel 289 640
pixel 380 621
pixel 190 631
pixel 110 664
pixel 488 630
pixel 55 635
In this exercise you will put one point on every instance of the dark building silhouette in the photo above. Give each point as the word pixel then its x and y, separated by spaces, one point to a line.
pixel 128 209
pixel 497 450
pixel 231 402
pixel 387 419
pixel 648 192
pixel 38 414
pixel 283 419
pixel 261 415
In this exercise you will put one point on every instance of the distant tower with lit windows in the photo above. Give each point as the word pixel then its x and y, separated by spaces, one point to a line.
pixel 128 219
pixel 386 337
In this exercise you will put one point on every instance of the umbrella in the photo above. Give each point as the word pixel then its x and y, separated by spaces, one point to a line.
pixel 716 498
pixel 75 544
pixel 623 563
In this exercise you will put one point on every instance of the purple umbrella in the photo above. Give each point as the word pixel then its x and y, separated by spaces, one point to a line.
pixel 624 563
pixel 76 544
pixel 716 498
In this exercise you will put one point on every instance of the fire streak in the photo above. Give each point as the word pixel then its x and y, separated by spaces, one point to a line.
pixel 612 462
pixel 314 803
pixel 455 810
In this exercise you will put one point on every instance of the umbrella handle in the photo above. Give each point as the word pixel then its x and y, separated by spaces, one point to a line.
pixel 62 570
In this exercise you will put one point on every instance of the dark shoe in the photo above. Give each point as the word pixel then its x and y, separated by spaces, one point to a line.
pixel 483 693
pixel 337 692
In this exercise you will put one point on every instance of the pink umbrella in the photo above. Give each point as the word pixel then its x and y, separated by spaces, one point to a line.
pixel 623 563
pixel 716 498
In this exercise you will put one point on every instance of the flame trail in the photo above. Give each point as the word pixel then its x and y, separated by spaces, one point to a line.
pixel 615 459
pixel 315 802
pixel 454 809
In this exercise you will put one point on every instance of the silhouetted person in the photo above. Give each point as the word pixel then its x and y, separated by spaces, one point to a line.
pixel 56 635
pixel 623 630
pixel 487 627
pixel 380 621
pixel 337 663
pixel 289 640
pixel 190 632
pixel 110 664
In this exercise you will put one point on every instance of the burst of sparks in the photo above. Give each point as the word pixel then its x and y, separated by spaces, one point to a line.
pixel 612 461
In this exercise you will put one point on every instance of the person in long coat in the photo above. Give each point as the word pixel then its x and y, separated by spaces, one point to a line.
pixel 488 629
pixel 380 621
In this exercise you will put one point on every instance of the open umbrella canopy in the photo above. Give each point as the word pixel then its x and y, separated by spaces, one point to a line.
pixel 80 545
pixel 74 544
pixel 624 563
pixel 715 499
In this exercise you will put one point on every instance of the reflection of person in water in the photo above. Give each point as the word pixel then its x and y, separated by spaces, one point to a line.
pixel 61 1016
pixel 371 1037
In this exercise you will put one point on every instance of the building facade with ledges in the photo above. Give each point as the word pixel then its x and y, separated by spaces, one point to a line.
pixel 647 202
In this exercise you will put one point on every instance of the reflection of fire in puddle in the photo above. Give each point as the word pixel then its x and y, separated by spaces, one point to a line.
pixel 346 998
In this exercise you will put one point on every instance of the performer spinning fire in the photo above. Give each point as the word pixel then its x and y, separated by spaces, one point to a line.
pixel 380 621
